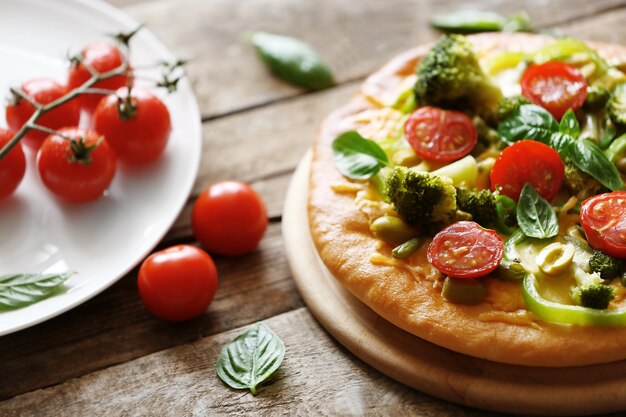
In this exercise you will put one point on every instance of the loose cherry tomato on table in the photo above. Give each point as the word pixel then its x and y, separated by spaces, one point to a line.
pixel 440 135
pixel 137 127
pixel 43 91
pixel 555 86
pixel 528 161
pixel 102 57
pixel 229 218
pixel 77 165
pixel 177 283
pixel 12 166
pixel 603 218
pixel 465 250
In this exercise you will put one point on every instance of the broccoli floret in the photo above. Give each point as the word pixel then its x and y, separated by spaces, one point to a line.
pixel 421 198
pixel 605 265
pixel 579 183
pixel 591 291
pixel 480 204
pixel 509 104
pixel 616 106
pixel 449 76
pixel 597 97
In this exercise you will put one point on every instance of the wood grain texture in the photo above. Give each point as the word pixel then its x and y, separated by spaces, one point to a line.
pixel 355 37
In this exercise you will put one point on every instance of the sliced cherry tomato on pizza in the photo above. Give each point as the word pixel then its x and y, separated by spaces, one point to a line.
pixel 77 165
pixel 12 166
pixel 440 135
pixel 102 57
pixel 555 86
pixel 603 218
pixel 528 161
pixel 43 91
pixel 466 250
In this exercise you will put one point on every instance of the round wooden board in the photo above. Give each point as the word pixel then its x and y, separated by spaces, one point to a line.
pixel 429 368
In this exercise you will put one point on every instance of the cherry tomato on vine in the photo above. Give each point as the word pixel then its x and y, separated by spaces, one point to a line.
pixel 43 91
pixel 440 135
pixel 177 283
pixel 555 86
pixel 603 218
pixel 79 169
pixel 12 166
pixel 229 218
pixel 102 57
pixel 528 161
pixel 137 128
pixel 465 250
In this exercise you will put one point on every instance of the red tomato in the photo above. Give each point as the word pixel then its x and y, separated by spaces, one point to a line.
pixel 466 250
pixel 138 133
pixel 177 283
pixel 43 91
pixel 555 86
pixel 440 135
pixel 80 180
pixel 603 218
pixel 12 166
pixel 528 161
pixel 103 57
pixel 229 218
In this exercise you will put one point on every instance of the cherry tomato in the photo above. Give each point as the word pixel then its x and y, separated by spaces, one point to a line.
pixel 137 129
pixel 229 218
pixel 43 91
pixel 440 135
pixel 177 283
pixel 103 57
pixel 528 161
pixel 12 166
pixel 76 174
pixel 603 218
pixel 555 86
pixel 465 250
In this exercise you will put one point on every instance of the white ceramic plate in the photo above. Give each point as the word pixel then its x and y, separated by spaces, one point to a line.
pixel 103 240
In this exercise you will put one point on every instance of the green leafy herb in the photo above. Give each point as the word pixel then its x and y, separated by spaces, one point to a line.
pixel 535 215
pixel 356 157
pixel 561 142
pixel 21 290
pixel 469 21
pixel 293 61
pixel 589 158
pixel 529 121
pixel 569 124
pixel 250 359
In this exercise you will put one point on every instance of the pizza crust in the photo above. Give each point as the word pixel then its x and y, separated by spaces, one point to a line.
pixel 407 297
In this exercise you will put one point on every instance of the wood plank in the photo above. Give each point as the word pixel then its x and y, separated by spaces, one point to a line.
pixel 115 326
pixel 354 36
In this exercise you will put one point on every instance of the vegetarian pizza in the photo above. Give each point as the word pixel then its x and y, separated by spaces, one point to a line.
pixel 473 195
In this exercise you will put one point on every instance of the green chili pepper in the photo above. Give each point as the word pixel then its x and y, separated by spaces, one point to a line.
pixel 293 61
pixel 407 248
pixel 511 267
pixel 569 314
pixel 506 209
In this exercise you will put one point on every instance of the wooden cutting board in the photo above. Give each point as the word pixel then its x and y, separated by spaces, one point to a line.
pixel 426 367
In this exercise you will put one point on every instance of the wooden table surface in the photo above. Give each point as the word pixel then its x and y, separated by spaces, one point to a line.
pixel 110 356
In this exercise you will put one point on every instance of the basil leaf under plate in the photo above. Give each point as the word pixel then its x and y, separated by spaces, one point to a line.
pixel 529 121
pixel 293 61
pixel 589 158
pixel 21 290
pixel 250 359
pixel 356 157
pixel 569 124
pixel 535 215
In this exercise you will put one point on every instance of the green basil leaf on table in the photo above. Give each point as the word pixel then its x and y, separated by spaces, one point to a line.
pixel 535 215
pixel 569 124
pixel 21 290
pixel 589 158
pixel 250 359
pixel 529 121
pixel 466 21
pixel 293 61
pixel 356 157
